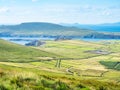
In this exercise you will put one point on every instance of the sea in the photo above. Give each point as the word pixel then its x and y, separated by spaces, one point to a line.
pixel 25 40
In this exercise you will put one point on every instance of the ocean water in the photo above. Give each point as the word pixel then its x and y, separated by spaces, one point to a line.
pixel 108 28
pixel 24 39
pixel 29 39
pixel 102 28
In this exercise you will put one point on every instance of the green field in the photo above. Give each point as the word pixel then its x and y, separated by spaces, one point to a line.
pixel 81 68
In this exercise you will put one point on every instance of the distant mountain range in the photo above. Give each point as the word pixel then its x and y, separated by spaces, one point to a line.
pixel 111 24
pixel 50 29
pixel 41 28
pixel 106 27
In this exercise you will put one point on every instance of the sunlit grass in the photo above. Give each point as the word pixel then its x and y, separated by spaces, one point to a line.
pixel 33 68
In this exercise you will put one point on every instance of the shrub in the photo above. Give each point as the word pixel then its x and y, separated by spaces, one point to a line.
pixel 2 87
pixel 37 87
pixel 62 86
pixel 102 88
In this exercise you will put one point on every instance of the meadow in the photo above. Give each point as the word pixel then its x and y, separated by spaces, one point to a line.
pixel 81 67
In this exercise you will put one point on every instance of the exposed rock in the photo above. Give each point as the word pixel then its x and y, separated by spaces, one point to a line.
pixel 35 43
pixel 62 38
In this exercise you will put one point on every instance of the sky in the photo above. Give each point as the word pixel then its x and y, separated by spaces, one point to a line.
pixel 60 11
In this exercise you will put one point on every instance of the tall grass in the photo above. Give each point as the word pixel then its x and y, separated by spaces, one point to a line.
pixel 31 79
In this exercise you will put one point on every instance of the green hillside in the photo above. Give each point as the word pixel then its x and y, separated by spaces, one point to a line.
pixel 18 53
pixel 30 68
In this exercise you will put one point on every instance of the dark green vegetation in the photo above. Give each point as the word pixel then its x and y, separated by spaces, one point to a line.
pixel 111 65
pixel 34 68
pixel 34 29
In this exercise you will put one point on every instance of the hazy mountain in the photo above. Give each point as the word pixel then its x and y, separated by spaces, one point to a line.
pixel 111 24
pixel 50 29
pixel 40 28
pixel 106 27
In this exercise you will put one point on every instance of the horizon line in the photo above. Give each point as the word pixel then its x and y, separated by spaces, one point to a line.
pixel 57 23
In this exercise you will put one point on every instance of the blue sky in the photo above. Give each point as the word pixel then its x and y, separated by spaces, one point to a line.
pixel 60 11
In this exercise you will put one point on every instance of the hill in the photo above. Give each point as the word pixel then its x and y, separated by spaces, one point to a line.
pixel 18 53
pixel 37 29
pixel 79 70
pixel 41 28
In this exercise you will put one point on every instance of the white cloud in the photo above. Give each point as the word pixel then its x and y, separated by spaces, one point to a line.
pixel 4 9
pixel 34 0
pixel 105 13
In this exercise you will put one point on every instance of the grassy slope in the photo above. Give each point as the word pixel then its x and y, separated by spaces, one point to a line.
pixel 89 65
pixel 33 79
pixel 87 71
pixel 71 49
pixel 13 52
